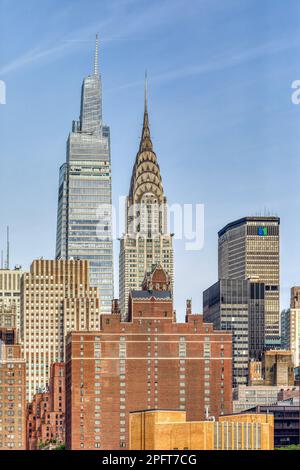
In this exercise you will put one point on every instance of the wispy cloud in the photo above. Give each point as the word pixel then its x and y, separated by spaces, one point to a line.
pixel 127 23
pixel 121 23
pixel 34 55
pixel 222 62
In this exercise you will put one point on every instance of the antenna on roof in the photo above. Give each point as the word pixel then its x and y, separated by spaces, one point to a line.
pixel 146 91
pixel 7 248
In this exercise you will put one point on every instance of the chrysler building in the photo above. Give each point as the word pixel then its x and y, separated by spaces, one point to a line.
pixel 147 242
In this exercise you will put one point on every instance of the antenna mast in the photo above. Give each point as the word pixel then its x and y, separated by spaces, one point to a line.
pixel 96 59
pixel 7 248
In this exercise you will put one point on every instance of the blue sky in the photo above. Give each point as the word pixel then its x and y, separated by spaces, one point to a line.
pixel 223 125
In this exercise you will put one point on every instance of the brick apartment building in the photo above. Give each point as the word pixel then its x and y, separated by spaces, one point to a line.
pixel 46 413
pixel 147 362
pixel 12 392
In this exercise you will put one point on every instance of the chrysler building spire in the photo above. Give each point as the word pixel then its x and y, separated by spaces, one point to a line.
pixel 96 58
pixel 146 92
pixel 146 143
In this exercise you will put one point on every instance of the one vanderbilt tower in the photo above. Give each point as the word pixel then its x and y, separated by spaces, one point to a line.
pixel 147 242
pixel 84 219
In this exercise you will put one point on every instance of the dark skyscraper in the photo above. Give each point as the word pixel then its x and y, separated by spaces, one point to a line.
pixel 237 305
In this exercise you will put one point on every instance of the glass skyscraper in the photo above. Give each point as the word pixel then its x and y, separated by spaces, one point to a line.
pixel 84 217
pixel 249 249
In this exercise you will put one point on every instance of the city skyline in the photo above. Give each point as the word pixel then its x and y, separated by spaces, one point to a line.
pixel 149 229
pixel 244 127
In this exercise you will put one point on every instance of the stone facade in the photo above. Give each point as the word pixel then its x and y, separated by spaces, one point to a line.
pixel 169 430
pixel 294 325
pixel 10 292
pixel 278 368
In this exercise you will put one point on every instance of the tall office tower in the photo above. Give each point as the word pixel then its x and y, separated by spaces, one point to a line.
pixel 12 393
pixel 237 305
pixel 290 326
pixel 146 242
pixel 10 292
pixel 84 217
pixel 55 298
pixel 249 248
pixel 147 362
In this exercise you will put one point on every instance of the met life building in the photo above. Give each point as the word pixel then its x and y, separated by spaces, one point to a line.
pixel 84 217
pixel 249 249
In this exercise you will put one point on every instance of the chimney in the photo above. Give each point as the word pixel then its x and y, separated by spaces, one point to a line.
pixel 188 309
pixel 115 309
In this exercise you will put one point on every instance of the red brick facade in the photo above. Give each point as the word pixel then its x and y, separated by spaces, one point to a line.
pixel 46 412
pixel 149 362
